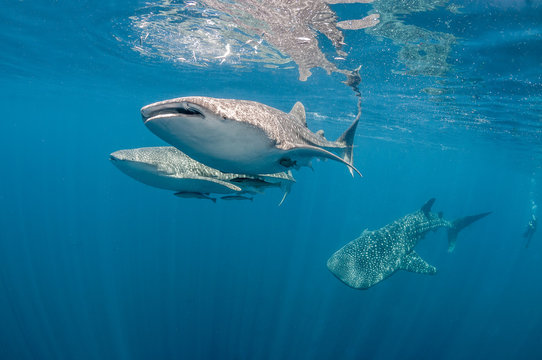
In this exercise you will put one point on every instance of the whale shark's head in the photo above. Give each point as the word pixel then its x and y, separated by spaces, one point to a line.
pixel 215 132
pixel 134 163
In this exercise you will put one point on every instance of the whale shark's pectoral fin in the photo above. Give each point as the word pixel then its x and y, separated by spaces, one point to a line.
pixel 218 182
pixel 286 186
pixel 308 151
pixel 286 189
pixel 414 263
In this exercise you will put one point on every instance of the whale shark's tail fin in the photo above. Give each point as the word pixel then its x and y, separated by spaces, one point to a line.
pixel 347 138
pixel 460 224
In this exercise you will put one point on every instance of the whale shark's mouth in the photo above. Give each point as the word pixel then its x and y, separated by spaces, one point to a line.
pixel 171 109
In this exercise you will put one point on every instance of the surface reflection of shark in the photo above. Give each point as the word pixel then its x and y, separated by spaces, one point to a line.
pixel 165 167
pixel 273 32
pixel 421 51
pixel 378 254
pixel 291 26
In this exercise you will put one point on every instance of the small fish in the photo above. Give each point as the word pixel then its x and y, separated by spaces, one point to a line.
pixel 195 195
pixel 254 182
pixel 236 197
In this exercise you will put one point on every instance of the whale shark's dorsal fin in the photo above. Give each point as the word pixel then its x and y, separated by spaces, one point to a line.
pixel 298 112
pixel 414 263
pixel 321 133
pixel 426 208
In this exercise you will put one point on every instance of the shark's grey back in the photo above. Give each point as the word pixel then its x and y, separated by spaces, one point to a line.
pixel 175 163
pixel 285 128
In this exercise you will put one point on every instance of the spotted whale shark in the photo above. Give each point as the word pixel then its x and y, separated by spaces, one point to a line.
pixel 165 167
pixel 241 136
pixel 378 254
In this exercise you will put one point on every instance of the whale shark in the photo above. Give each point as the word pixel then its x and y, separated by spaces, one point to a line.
pixel 378 254
pixel 241 136
pixel 166 167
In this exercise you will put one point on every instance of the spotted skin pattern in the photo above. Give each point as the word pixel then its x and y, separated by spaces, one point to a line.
pixel 173 164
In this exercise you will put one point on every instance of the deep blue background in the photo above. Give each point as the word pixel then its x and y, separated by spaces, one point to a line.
pixel 94 265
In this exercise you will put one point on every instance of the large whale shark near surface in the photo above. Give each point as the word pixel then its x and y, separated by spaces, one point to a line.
pixel 241 136
pixel 165 167
pixel 378 254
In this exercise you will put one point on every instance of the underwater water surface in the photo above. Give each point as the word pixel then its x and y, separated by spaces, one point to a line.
pixel 95 265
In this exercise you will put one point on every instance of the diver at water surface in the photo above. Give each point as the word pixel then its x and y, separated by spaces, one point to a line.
pixel 530 230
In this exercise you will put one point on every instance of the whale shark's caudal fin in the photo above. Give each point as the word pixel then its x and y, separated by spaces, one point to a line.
pixel 347 138
pixel 460 224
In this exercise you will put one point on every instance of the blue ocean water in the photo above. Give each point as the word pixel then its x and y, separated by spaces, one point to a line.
pixel 94 265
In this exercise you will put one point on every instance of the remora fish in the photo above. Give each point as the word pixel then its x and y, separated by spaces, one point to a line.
pixel 241 136
pixel 194 195
pixel 236 197
pixel 376 255
pixel 167 168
